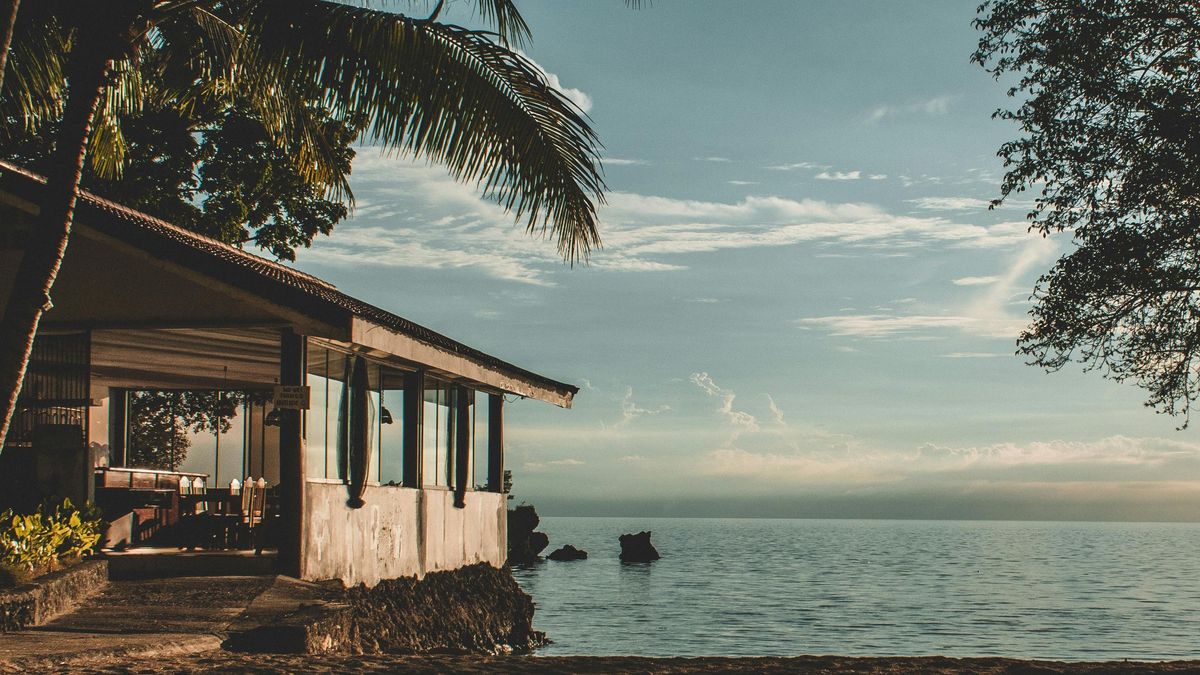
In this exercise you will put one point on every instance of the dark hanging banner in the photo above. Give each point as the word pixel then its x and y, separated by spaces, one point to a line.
pixel 358 432
pixel 343 423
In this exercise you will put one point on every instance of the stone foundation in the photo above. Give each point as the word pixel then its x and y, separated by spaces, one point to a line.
pixel 475 609
pixel 36 603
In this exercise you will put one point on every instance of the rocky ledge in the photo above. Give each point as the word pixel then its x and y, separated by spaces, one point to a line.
pixel 568 552
pixel 475 609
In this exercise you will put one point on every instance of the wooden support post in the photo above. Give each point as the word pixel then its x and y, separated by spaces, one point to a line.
pixel 496 442
pixel 118 433
pixel 292 348
pixel 414 422
pixel 462 445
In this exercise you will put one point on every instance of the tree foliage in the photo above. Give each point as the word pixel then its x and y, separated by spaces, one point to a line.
pixel 1109 118
pixel 213 169
pixel 160 423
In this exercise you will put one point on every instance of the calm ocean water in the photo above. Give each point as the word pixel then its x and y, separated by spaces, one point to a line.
pixel 1070 591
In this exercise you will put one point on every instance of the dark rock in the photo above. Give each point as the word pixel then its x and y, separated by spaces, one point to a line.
pixel 637 548
pixel 475 609
pixel 568 552
pixel 524 545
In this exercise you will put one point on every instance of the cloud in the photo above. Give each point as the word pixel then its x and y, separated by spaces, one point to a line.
pixel 972 355
pixel 797 165
pixel 417 216
pixel 618 161
pixel 975 281
pixel 838 175
pixel 950 203
pixel 705 382
pixel 883 325
pixel 1049 465
pixel 739 420
pixel 938 105
pixel 776 413
pixel 576 96
pixel 712 159
pixel 631 411
pixel 742 182
pixel 986 315
pixel 537 467
pixel 877 176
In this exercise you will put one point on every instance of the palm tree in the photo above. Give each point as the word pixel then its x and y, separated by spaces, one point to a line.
pixel 8 18
pixel 459 97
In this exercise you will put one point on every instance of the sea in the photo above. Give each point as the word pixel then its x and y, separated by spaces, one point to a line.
pixel 759 587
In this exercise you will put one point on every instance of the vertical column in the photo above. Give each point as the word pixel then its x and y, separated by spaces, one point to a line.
pixel 414 422
pixel 118 407
pixel 496 442
pixel 462 444
pixel 292 348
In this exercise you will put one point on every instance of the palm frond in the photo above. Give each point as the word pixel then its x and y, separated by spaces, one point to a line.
pixel 35 83
pixel 122 97
pixel 449 94
pixel 509 23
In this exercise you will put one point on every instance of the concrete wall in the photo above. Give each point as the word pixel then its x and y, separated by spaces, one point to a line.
pixel 400 532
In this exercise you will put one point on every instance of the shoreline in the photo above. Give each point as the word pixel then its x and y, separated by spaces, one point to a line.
pixel 222 661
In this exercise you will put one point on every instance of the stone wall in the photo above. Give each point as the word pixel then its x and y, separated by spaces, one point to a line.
pixel 36 603
pixel 401 532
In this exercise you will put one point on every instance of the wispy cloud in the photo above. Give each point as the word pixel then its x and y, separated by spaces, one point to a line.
pixel 742 182
pixel 839 175
pixel 740 421
pixel 975 281
pixel 987 315
pixel 776 413
pixel 950 203
pixel 413 215
pixel 631 411
pixel 621 161
pixel 884 325
pixel 567 463
pixel 794 166
pixel 1049 464
pixel 712 159
pixel 938 105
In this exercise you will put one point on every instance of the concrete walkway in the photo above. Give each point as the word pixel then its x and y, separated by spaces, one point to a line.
pixel 163 619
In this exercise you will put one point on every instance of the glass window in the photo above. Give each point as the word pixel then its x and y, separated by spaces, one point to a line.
pixel 326 372
pixel 479 439
pixel 438 448
pixel 391 428
pixel 316 423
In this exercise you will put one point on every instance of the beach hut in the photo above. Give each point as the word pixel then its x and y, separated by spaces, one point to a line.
pixel 375 445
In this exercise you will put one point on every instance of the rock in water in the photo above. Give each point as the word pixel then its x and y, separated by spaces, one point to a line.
pixel 568 552
pixel 524 544
pixel 637 548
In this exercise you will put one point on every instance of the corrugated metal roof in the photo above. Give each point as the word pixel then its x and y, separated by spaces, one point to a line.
pixel 271 280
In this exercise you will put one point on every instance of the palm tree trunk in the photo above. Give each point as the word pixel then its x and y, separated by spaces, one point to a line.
pixel 8 21
pixel 47 241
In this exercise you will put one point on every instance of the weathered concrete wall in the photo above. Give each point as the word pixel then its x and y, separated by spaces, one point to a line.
pixel 401 532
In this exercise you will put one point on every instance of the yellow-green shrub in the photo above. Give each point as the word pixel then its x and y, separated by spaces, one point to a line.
pixel 36 542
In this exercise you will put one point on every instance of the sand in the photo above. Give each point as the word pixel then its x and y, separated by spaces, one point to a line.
pixel 225 662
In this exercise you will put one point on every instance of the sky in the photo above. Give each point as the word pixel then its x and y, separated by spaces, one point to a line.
pixel 802 308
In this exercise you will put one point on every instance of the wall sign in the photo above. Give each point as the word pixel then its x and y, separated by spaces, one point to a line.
pixel 291 397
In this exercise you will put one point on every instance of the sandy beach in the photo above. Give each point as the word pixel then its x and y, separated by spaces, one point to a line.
pixel 225 662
